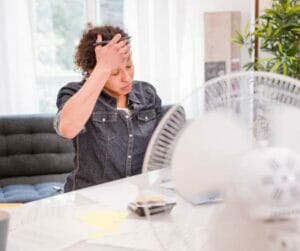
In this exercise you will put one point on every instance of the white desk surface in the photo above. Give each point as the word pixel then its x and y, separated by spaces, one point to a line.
pixel 97 218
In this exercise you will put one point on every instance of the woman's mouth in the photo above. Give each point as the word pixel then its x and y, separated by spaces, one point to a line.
pixel 126 87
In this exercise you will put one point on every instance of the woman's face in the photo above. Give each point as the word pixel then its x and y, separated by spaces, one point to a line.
pixel 120 80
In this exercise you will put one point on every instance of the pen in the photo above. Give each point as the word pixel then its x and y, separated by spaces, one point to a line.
pixel 107 41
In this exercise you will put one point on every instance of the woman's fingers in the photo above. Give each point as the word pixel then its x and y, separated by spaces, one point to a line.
pixel 125 50
pixel 115 39
pixel 121 44
pixel 99 38
pixel 116 42
pixel 127 55
pixel 114 53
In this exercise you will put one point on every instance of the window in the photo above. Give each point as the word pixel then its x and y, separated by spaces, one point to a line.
pixel 57 27
pixel 111 12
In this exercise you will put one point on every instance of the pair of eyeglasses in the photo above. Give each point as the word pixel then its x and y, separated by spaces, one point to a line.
pixel 105 42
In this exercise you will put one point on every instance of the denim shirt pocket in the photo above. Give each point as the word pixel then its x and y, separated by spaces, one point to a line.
pixel 105 123
pixel 147 115
pixel 147 121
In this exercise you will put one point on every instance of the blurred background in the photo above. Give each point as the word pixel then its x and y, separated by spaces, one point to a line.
pixel 176 44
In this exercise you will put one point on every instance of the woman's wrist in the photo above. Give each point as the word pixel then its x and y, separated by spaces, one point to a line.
pixel 99 75
pixel 103 68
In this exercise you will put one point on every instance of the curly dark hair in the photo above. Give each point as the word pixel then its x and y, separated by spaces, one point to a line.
pixel 85 58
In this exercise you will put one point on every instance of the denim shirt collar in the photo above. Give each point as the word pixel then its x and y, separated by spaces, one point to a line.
pixel 132 97
pixel 108 99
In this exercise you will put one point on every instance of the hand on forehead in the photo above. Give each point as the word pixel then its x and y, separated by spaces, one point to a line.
pixel 117 39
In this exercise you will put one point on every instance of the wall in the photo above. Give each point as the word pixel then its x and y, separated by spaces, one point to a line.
pixel 246 8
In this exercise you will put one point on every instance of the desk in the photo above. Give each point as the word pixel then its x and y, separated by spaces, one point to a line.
pixel 97 218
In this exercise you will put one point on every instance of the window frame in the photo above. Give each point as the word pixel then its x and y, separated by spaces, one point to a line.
pixel 92 15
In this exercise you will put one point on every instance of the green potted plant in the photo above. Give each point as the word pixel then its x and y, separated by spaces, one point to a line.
pixel 278 32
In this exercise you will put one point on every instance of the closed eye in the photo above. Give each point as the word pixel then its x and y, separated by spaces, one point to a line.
pixel 115 73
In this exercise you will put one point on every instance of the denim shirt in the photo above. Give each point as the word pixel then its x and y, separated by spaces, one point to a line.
pixel 113 143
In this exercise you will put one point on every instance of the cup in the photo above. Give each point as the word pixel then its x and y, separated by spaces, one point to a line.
pixel 4 220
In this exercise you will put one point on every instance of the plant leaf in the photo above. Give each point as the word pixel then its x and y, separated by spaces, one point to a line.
pixel 296 29
pixel 248 66
pixel 292 50
pixel 285 68
pixel 269 30
pixel 270 12
pixel 280 48
pixel 276 66
pixel 294 10
pixel 238 38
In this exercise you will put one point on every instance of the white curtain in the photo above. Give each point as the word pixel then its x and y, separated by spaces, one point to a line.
pixel 166 45
pixel 17 82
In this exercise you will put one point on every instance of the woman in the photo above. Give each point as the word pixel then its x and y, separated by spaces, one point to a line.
pixel 109 116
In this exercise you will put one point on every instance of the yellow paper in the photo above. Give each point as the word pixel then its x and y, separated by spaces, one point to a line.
pixel 10 205
pixel 107 221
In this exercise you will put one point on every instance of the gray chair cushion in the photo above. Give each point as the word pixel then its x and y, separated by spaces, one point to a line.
pixel 26 193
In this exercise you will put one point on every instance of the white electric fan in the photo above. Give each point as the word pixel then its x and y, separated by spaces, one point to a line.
pixel 161 144
pixel 243 146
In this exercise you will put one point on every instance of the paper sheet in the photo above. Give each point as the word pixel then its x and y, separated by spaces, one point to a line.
pixel 48 234
pixel 106 221
pixel 132 234
pixel 55 230
pixel 115 196
pixel 35 212
pixel 145 235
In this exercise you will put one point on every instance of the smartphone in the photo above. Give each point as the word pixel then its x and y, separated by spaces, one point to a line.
pixel 154 208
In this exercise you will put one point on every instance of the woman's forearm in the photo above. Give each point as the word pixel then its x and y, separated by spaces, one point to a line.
pixel 79 107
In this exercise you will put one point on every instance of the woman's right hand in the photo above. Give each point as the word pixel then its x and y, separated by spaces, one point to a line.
pixel 112 55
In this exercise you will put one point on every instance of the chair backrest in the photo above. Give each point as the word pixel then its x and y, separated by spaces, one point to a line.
pixel 160 147
pixel 31 151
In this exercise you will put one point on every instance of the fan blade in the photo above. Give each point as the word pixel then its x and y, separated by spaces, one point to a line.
pixel 285 126
pixel 207 153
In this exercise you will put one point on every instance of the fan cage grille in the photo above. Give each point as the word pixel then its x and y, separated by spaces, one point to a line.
pixel 250 96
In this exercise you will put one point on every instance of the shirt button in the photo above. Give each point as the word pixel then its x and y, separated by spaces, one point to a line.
pixel 130 135
pixel 127 116
pixel 129 156
pixel 103 120
pixel 146 118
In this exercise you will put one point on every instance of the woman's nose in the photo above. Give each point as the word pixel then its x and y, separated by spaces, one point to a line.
pixel 126 76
